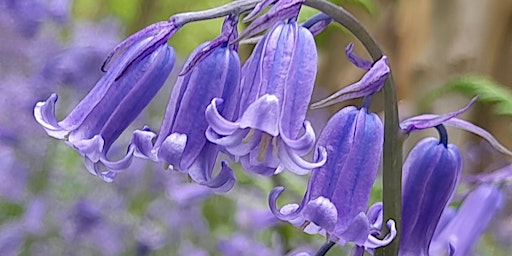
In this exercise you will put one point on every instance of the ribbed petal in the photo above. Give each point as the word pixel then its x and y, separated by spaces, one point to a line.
pixel 300 80
pixel 147 81
pixel 431 173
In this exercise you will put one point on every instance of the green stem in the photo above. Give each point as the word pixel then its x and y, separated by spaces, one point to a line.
pixel 392 162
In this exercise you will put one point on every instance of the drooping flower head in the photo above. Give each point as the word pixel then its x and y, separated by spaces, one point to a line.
pixel 131 81
pixel 212 71
pixel 270 133
pixel 338 192
pixel 431 174
pixel 460 234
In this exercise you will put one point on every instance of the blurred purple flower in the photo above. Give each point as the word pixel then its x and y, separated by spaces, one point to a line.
pixel 28 15
pixel 461 233
pixel 240 244
pixel 13 177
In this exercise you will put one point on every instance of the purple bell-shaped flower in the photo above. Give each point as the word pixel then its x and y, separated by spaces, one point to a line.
pixel 270 133
pixel 431 173
pixel 212 71
pixel 131 81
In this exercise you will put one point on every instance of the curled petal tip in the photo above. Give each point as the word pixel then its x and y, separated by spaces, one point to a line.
pixel 272 200
pixel 374 242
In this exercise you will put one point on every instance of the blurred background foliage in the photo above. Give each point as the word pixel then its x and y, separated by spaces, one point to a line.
pixel 432 46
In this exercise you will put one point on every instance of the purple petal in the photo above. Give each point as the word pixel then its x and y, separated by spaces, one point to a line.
pixel 317 23
pixel 303 144
pixel 262 115
pixel 217 122
pixel 201 171
pixel 90 148
pixel 369 84
pixel 374 242
pixel 465 125
pixel 44 112
pixel 355 59
pixel 171 150
pixel 322 212
pixel 294 163
pixel 428 121
pixel 357 232
pixel 142 140
pixel 272 201
pixel 298 87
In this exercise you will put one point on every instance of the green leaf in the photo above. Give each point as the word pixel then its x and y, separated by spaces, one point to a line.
pixel 489 91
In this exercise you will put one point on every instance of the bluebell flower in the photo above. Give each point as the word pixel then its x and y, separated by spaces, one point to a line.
pixel 128 85
pixel 212 70
pixel 460 234
pixel 338 192
pixel 270 133
pixel 431 175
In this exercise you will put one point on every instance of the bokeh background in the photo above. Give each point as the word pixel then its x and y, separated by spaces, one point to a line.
pixel 441 52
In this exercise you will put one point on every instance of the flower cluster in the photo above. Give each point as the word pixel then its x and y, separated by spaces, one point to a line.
pixel 223 113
